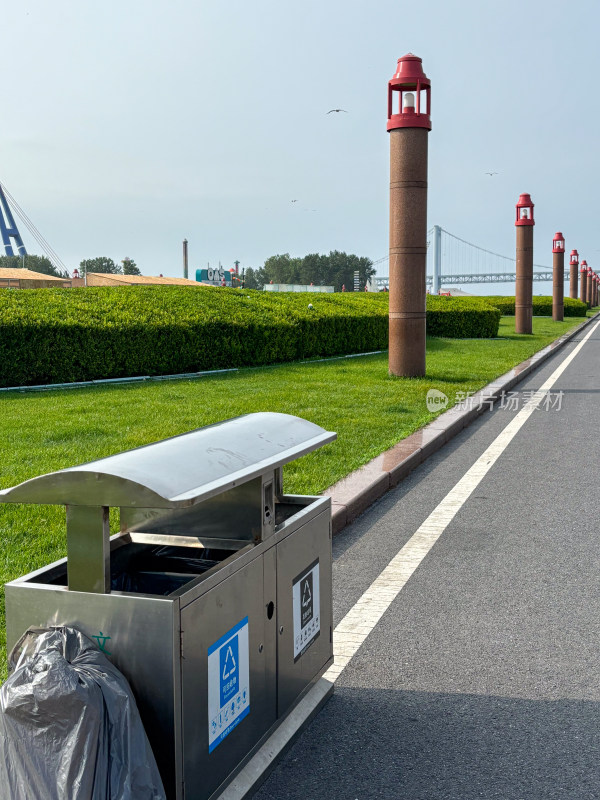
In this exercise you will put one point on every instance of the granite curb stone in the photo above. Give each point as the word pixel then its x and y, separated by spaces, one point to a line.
pixel 352 495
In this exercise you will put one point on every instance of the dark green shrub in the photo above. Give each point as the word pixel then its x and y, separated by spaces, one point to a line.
pixel 64 335
pixel 542 306
pixel 461 318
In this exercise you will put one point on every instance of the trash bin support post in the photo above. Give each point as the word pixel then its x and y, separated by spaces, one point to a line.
pixel 88 549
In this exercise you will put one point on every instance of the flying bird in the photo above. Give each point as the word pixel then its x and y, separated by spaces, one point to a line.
pixel 491 173
pixel 294 201
pixel 337 111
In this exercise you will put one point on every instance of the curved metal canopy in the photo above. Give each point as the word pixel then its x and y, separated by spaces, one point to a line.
pixel 180 471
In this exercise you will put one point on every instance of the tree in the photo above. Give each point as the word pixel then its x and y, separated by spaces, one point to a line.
pixel 335 269
pixel 342 266
pixel 34 263
pixel 253 278
pixel 282 269
pixel 129 266
pixel 99 264
pixel 314 268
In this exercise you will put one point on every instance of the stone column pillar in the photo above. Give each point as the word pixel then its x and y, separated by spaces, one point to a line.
pixel 558 277
pixel 583 287
pixel 574 274
pixel 408 251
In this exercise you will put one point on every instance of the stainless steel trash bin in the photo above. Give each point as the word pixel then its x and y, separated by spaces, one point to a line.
pixel 214 599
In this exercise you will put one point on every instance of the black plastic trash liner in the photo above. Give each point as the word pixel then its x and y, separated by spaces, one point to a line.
pixel 69 725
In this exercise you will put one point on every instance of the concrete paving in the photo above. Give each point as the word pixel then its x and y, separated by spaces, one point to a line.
pixel 482 679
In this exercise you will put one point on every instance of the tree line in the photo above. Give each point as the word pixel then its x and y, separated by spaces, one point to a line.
pixel 107 266
pixel 336 269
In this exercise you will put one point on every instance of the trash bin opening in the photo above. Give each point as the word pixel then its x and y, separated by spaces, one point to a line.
pixel 283 510
pixel 150 569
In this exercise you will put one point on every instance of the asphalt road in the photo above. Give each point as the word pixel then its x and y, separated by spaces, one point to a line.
pixel 482 678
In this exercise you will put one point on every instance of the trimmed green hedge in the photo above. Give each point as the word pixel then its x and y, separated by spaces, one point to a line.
pixel 461 318
pixel 64 335
pixel 542 306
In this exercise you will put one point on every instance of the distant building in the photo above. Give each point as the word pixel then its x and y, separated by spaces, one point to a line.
pixel 109 279
pixel 453 292
pixel 296 287
pixel 28 279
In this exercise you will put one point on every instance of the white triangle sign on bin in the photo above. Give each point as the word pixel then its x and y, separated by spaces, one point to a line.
pixel 229 665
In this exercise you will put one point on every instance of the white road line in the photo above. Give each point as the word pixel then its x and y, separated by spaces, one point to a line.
pixel 358 623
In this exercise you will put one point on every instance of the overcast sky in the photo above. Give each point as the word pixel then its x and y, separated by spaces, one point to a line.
pixel 130 125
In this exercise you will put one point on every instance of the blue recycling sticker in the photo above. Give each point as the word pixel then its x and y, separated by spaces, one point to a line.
pixel 228 683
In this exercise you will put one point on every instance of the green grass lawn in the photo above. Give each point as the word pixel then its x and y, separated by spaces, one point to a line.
pixel 371 411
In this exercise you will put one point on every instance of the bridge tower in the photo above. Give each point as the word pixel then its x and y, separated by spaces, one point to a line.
pixel 408 124
pixel 8 228
pixel 524 283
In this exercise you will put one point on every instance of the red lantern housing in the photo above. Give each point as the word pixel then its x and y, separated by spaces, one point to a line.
pixel 574 258
pixel 558 243
pixel 524 210
pixel 413 89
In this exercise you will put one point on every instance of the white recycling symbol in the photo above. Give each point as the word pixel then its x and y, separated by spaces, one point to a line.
pixel 306 595
pixel 229 665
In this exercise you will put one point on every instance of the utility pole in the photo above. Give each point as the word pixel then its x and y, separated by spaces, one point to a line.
pixel 185 258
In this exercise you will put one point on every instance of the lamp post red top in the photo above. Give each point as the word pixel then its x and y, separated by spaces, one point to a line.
pixel 558 243
pixel 584 266
pixel 574 257
pixel 409 83
pixel 524 210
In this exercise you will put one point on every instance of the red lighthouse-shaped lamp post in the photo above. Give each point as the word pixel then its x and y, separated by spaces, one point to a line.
pixel 583 287
pixel 588 283
pixel 558 277
pixel 573 274
pixel 524 284
pixel 590 286
pixel 408 122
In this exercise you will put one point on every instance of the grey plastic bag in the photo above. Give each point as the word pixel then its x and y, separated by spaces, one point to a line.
pixel 69 725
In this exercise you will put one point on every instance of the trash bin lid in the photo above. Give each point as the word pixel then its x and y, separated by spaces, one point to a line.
pixel 182 470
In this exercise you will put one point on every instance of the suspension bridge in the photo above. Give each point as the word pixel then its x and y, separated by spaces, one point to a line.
pixel 452 261
pixel 9 232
